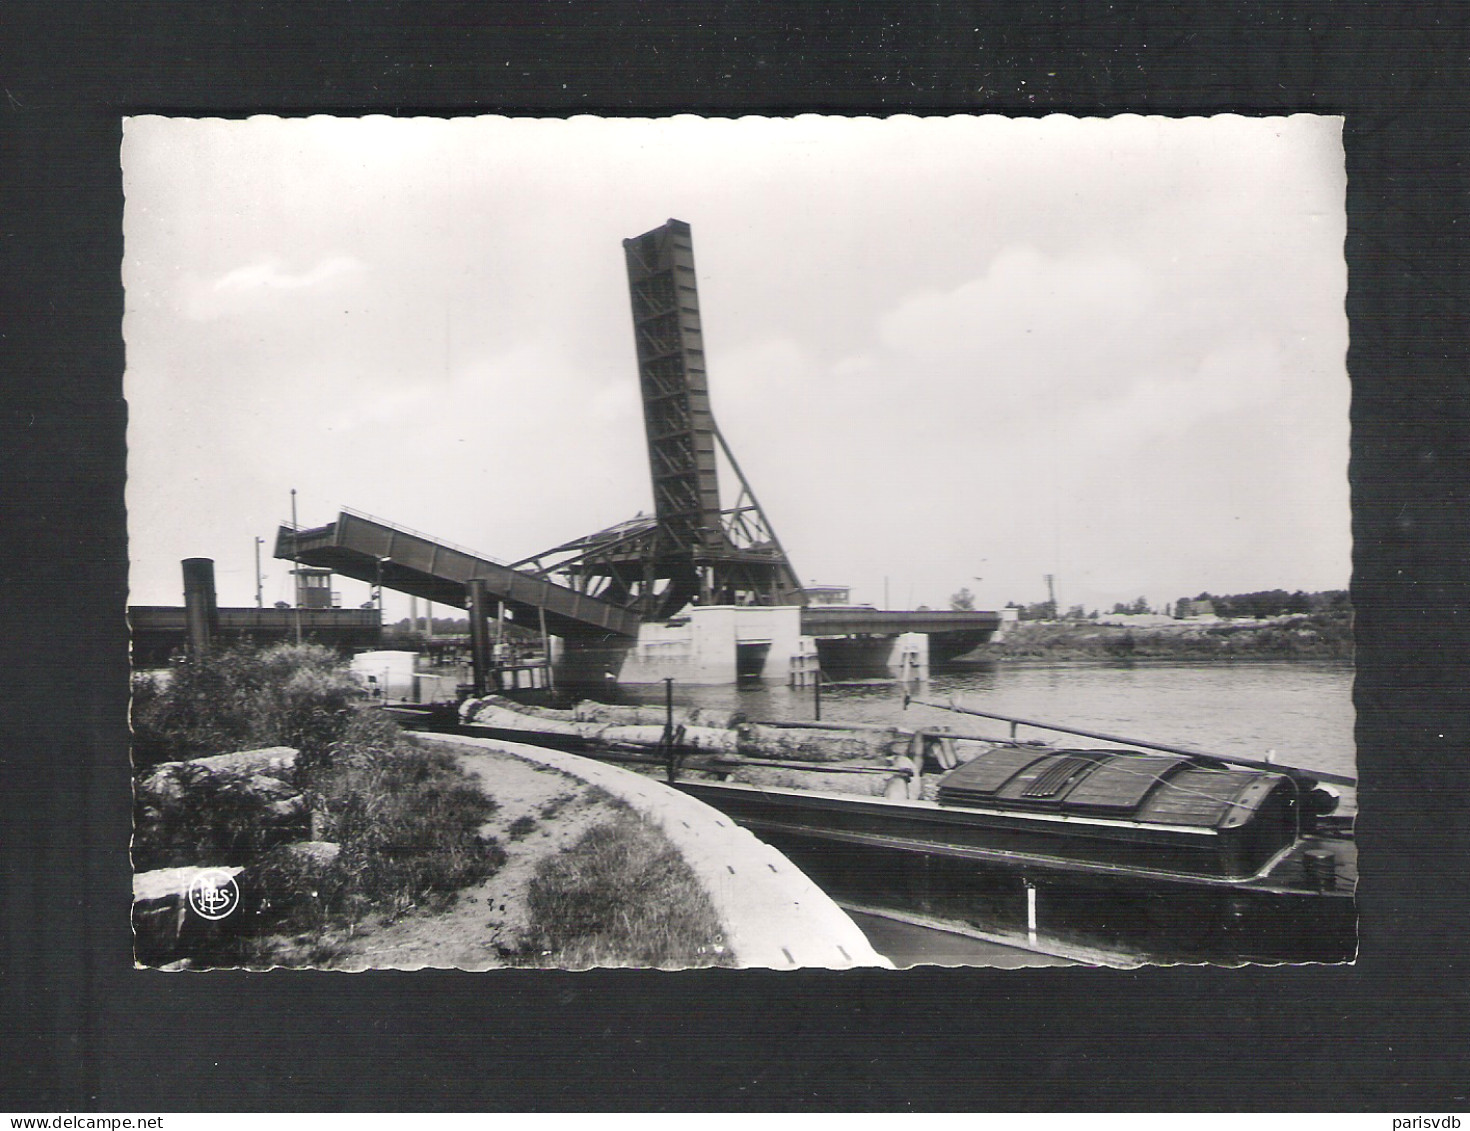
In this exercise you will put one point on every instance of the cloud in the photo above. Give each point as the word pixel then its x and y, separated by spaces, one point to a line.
pixel 1238 378
pixel 208 299
pixel 1027 315
pixel 269 274
pixel 382 408
pixel 854 366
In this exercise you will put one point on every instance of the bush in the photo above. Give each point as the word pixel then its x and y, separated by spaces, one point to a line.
pixel 199 817
pixel 239 698
pixel 288 884
pixel 408 822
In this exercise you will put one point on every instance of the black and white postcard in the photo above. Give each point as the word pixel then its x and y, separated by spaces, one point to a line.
pixel 756 542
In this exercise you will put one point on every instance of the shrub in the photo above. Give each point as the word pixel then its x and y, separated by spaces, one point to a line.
pixel 1122 646
pixel 622 895
pixel 408 822
pixel 210 818
pixel 286 695
pixel 289 885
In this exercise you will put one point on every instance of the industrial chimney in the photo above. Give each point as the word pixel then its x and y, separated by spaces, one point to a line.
pixel 201 610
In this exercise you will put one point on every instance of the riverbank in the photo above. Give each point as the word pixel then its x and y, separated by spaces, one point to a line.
pixel 768 913
pixel 585 882
pixel 281 821
pixel 1316 636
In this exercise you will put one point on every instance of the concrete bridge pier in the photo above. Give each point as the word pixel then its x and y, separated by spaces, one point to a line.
pixel 705 645
pixel 902 655
pixel 724 644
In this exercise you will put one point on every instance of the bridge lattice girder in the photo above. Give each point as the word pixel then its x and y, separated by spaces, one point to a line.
pixel 699 549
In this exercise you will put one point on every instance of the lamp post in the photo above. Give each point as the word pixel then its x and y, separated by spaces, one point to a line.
pixel 379 595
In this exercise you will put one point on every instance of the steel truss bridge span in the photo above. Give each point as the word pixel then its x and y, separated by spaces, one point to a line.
pixel 379 553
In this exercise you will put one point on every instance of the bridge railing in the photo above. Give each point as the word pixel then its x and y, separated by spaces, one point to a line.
pixel 426 537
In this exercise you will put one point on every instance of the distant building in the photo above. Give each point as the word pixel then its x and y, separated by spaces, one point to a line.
pixel 1186 609
pixel 829 594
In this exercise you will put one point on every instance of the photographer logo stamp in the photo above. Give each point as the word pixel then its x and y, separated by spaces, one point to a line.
pixel 213 894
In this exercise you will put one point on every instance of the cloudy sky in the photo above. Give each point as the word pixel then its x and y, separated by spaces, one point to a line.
pixel 943 349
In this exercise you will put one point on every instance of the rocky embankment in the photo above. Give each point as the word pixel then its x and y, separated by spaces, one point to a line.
pixel 238 814
pixel 1319 636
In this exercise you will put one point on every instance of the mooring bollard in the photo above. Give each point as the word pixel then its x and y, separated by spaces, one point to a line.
pixel 1320 866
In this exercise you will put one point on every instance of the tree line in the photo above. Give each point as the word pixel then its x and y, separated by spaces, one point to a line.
pixel 1264 603
pixel 1275 603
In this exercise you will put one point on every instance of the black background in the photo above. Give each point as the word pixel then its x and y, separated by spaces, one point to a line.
pixel 82 1029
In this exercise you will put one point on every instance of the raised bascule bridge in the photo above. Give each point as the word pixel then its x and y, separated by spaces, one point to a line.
pixel 697 591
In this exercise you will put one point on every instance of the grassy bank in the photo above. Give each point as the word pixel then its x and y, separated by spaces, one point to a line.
pixel 620 896
pixel 1317 636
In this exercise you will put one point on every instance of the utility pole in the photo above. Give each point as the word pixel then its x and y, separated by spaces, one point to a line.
pixel 259 579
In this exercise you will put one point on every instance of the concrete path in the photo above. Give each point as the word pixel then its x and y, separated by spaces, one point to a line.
pixel 773 915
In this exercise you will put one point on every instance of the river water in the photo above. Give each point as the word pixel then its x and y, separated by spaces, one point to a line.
pixel 1299 712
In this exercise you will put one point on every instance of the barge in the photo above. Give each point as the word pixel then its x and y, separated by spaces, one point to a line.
pixel 1113 849
pixel 1165 854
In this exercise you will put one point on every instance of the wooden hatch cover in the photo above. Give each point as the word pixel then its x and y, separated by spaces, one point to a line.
pixel 977 781
pixel 1112 782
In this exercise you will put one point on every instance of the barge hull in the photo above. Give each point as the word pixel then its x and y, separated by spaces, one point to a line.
pixel 883 856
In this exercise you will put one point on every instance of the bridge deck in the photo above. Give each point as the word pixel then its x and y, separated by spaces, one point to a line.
pixel 376 552
pixel 160 630
pixel 845 620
